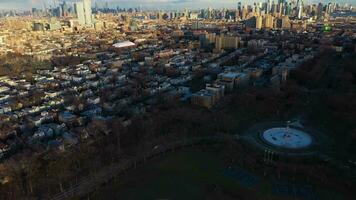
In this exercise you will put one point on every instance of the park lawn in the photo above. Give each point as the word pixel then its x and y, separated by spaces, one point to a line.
pixel 186 174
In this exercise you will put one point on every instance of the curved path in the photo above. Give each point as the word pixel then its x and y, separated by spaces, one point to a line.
pixel 88 184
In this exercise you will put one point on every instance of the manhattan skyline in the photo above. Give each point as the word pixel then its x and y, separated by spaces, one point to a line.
pixel 146 4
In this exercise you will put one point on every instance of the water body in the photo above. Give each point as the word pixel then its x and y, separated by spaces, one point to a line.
pixel 344 14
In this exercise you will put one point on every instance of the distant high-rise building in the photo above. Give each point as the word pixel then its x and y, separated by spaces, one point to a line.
pixel 79 11
pixel 274 8
pixel 96 7
pixel 281 8
pixel 319 11
pixel 300 8
pixel 330 8
pixel 55 11
pixel 64 9
pixel 88 12
pixel 288 9
pixel 269 6
pixel 239 7
pixel 210 14
pixel 84 12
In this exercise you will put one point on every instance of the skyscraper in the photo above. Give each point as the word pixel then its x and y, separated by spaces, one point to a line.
pixel 87 12
pixel 209 13
pixel 319 11
pixel 269 6
pixel 239 7
pixel 79 11
pixel 64 9
pixel 84 12
pixel 300 8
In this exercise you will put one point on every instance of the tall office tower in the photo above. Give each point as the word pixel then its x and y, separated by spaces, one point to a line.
pixel 260 5
pixel 106 6
pixel 186 12
pixel 289 9
pixel 238 11
pixel 274 9
pixel 285 8
pixel 257 9
pixel 87 12
pixel 320 10
pixel 202 13
pixel 281 8
pixel 210 14
pixel 300 8
pixel 223 14
pixel 239 7
pixel 329 8
pixel 65 9
pixel 96 7
pixel 84 12
pixel 269 6
pixel 79 11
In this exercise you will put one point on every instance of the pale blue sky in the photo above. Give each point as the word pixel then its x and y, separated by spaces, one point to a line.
pixel 157 4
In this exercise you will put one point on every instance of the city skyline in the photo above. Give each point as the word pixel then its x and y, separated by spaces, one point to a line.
pixel 146 4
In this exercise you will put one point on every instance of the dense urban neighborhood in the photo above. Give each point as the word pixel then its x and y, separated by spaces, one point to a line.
pixel 85 89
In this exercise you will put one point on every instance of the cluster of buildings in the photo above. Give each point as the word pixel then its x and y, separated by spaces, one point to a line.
pixel 270 22
pixel 47 38
pixel 270 69
pixel 214 92
pixel 220 41
pixel 137 59
pixel 54 108
pixel 75 28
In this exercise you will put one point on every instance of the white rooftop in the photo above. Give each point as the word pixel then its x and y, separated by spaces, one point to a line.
pixel 124 44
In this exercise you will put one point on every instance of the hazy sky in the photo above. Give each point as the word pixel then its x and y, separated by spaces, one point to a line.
pixel 157 4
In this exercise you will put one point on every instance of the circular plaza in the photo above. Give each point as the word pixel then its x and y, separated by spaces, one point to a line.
pixel 284 139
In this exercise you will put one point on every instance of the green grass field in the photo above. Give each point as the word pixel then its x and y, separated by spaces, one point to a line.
pixel 187 174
